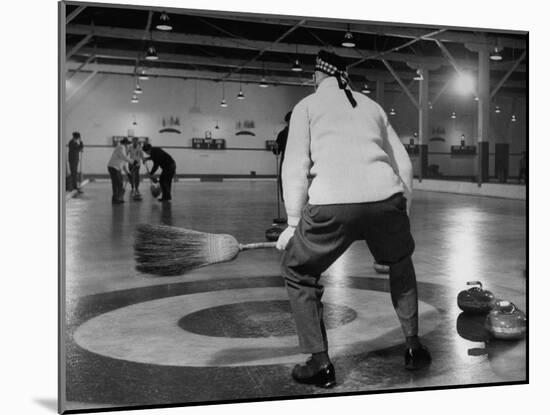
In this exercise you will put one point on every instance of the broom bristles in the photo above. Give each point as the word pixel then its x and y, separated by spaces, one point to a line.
pixel 168 250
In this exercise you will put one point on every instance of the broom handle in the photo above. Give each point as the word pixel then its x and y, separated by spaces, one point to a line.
pixel 258 245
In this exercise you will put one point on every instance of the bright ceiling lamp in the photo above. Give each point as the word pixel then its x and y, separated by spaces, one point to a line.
pixel 497 110
pixel 365 89
pixel 151 54
pixel 464 83
pixel 164 22
pixel 240 95
pixel 263 83
pixel 296 67
pixel 223 104
pixel 138 89
pixel 134 99
pixel 418 76
pixel 392 112
pixel 348 41
pixel 495 55
pixel 514 119
pixel 453 115
pixel 143 75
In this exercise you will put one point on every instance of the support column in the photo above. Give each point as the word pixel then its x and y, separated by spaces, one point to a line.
pixel 483 109
pixel 483 116
pixel 423 70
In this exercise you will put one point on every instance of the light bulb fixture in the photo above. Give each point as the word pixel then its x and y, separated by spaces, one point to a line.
pixel 348 41
pixel 240 95
pixel 453 115
pixel 164 22
pixel 263 83
pixel 134 99
pixel 495 55
pixel 476 98
pixel 138 89
pixel 365 89
pixel 497 110
pixel 296 67
pixel 151 54
pixel 392 112
pixel 143 75
pixel 430 106
pixel 418 76
pixel 514 119
pixel 223 104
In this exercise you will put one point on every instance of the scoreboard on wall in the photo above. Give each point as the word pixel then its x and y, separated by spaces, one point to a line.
pixel 208 143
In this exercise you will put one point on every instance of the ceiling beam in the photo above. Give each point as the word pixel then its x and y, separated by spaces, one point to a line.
pixel 505 77
pixel 215 76
pixel 76 47
pixel 183 59
pixel 287 48
pixel 373 28
pixel 74 13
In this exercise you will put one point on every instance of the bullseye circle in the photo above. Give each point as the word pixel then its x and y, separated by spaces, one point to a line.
pixel 148 332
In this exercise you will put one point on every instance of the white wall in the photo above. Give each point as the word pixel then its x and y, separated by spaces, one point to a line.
pixel 102 109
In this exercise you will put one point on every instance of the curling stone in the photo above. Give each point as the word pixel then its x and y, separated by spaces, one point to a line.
pixel 506 321
pixel 155 189
pixel 272 234
pixel 381 269
pixel 476 300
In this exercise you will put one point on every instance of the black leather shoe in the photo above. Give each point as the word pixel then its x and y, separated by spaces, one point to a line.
pixel 312 374
pixel 417 358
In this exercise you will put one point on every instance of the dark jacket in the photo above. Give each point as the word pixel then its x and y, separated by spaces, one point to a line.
pixel 74 150
pixel 161 159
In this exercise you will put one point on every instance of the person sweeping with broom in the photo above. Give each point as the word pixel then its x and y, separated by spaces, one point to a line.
pixel 361 190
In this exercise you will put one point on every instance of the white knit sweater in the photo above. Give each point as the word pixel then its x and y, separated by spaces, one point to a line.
pixel 352 154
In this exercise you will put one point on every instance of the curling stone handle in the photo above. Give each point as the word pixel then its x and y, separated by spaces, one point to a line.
pixel 477 283
pixel 504 303
pixel 258 245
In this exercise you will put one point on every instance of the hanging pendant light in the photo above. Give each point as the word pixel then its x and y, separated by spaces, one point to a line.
pixel 164 22
pixel 453 115
pixel 348 41
pixel 134 99
pixel 138 89
pixel 497 110
pixel 476 98
pixel 223 103
pixel 143 75
pixel 514 119
pixel 418 76
pixel 151 54
pixel 365 89
pixel 296 67
pixel 495 55
pixel 240 95
pixel 430 105
pixel 392 112
pixel 263 83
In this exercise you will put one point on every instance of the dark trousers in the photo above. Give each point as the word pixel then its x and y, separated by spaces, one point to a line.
pixel 73 167
pixel 323 234
pixel 133 177
pixel 165 181
pixel 116 182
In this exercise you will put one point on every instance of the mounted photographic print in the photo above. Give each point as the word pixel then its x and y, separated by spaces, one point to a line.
pixel 372 238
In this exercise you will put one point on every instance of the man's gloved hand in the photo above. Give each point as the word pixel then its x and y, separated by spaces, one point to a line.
pixel 284 237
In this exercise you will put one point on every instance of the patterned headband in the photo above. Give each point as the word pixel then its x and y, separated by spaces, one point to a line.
pixel 325 67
